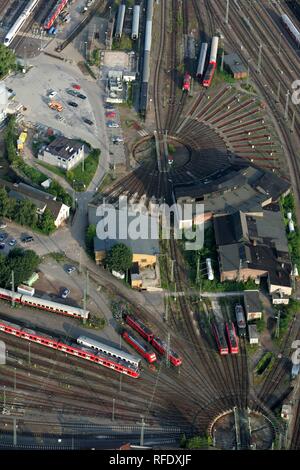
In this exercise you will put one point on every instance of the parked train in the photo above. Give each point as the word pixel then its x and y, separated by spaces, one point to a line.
pixel 289 25
pixel 117 362
pixel 155 341
pixel 228 343
pixel 142 349
pixel 58 7
pixel 240 318
pixel 146 58
pixel 218 329
pixel 202 59
pixel 120 21
pixel 135 22
pixel 232 338
pixel 186 86
pixel 212 65
pixel 20 22
pixel 43 304
pixel 108 350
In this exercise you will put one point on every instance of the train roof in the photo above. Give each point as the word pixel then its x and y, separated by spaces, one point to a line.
pixel 56 305
pixel 141 324
pixel 9 293
pixel 138 341
pixel 111 349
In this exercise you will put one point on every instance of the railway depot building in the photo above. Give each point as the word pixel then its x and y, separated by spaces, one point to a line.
pixel 63 153
pixel 254 246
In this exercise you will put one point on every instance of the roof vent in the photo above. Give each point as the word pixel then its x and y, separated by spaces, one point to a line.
pixel 67 148
pixel 71 149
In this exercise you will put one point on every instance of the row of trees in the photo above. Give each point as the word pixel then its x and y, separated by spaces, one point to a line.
pixel 7 60
pixel 24 213
pixel 22 262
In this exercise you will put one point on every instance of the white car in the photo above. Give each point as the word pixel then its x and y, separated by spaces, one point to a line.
pixel 52 94
pixel 117 139
pixel 112 124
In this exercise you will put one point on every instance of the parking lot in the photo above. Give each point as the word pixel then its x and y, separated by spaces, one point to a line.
pixel 32 90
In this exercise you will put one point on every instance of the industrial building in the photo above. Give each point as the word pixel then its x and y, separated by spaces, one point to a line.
pixel 63 153
pixel 252 305
pixel 234 65
pixel 253 334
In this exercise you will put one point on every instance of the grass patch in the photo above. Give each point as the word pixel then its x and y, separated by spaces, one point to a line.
pixel 58 171
pixel 106 181
pixel 265 363
pixel 82 175
pixel 96 323
pixel 287 204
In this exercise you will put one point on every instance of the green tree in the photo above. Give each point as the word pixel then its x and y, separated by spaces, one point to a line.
pixel 25 213
pixel 23 263
pixel 7 60
pixel 119 258
pixel 3 202
pixel 46 222
pixel 89 238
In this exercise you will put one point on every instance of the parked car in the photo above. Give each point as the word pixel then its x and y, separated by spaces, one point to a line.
pixel 77 87
pixel 12 242
pixel 71 269
pixel 81 96
pixel 65 292
pixel 109 106
pixel 2 246
pixel 27 239
pixel 3 224
pixel 110 114
pixel 3 236
pixel 116 139
pixel 52 94
pixel 72 92
pixel 88 121
pixel 73 104
pixel 112 124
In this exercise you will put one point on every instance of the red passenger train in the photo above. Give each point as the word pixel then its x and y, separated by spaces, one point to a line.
pixel 218 329
pixel 232 338
pixel 58 7
pixel 161 346
pixel 101 358
pixel 142 349
pixel 156 342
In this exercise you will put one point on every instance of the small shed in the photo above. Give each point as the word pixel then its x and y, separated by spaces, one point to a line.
pixel 233 64
pixel 252 305
pixel 253 334
pixel 286 412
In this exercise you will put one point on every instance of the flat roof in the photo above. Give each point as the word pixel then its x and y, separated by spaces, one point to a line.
pixel 235 63
pixel 252 301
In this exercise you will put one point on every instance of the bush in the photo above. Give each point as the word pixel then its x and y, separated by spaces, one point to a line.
pixel 119 258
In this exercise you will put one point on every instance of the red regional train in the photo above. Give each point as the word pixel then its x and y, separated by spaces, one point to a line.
pixel 108 359
pixel 142 349
pixel 58 7
pixel 43 304
pixel 156 342
pixel 218 329
pixel 186 86
pixel 232 338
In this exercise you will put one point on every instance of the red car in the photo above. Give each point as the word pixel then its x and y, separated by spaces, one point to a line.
pixel 77 87
pixel 110 114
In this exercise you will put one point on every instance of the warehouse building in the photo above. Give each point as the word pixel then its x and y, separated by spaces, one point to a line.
pixel 63 153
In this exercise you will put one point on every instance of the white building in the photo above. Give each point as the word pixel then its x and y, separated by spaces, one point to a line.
pixel 62 152
pixel 3 101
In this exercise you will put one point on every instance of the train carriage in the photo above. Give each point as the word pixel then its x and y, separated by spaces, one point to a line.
pixel 142 349
pixel 139 326
pixel 218 329
pixel 232 338
pixel 162 347
pixel 240 318
pixel 20 22
pixel 186 86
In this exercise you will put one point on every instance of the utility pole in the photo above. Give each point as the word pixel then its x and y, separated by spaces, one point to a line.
pixel 278 325
pixel 168 350
pixel 279 45
pixel 15 431
pixel 172 270
pixel 198 270
pixel 120 384
pixel 222 62
pixel 286 110
pixel 29 354
pixel 13 288
pixel 4 398
pixel 293 122
pixel 15 379
pixel 227 12
pixel 278 93
pixel 87 282
pixel 113 410
pixel 259 58
pixel 142 432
